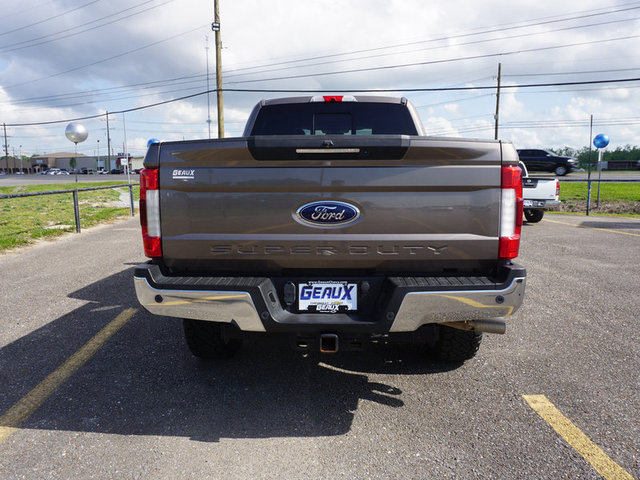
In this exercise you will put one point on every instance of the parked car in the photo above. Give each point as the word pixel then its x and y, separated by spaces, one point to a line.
pixel 545 161
pixel 115 171
pixel 53 171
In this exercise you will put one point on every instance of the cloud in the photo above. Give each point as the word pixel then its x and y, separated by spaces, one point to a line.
pixel 118 55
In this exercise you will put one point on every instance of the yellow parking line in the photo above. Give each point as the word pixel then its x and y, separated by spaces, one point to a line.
pixel 593 228
pixel 599 460
pixel 12 418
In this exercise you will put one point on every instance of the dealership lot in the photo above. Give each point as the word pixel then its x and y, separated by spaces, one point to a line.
pixel 93 387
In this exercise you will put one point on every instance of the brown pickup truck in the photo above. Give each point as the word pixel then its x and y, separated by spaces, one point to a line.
pixel 333 220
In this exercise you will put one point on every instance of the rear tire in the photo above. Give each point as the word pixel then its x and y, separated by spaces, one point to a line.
pixel 210 340
pixel 533 216
pixel 456 345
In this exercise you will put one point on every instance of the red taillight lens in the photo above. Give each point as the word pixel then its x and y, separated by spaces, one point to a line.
pixel 332 98
pixel 150 213
pixel 511 212
pixel 557 189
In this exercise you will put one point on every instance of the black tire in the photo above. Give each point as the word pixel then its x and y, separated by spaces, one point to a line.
pixel 561 170
pixel 533 216
pixel 455 345
pixel 210 340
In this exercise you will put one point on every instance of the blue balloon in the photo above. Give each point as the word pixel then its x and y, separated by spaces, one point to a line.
pixel 151 141
pixel 601 140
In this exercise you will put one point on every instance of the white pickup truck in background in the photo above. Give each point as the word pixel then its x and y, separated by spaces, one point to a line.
pixel 538 194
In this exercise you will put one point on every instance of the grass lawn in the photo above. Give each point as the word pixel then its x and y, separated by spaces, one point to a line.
pixel 23 220
pixel 615 198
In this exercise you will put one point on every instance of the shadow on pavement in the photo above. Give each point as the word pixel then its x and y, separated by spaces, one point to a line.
pixel 144 381
pixel 611 225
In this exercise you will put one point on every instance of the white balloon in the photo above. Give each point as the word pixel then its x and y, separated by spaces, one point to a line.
pixel 76 132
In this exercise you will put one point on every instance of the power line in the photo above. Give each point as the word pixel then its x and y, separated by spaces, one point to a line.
pixel 584 72
pixel 490 30
pixel 32 7
pixel 49 18
pixel 434 62
pixel 106 59
pixel 386 90
pixel 493 29
pixel 474 42
pixel 540 124
pixel 8 49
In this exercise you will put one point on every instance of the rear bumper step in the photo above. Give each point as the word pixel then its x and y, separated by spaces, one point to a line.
pixel 400 304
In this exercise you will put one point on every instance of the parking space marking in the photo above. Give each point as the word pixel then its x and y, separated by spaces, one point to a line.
pixel 18 413
pixel 593 454
pixel 593 228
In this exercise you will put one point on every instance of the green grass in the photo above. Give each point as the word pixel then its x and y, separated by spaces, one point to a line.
pixel 609 191
pixel 24 220
pixel 621 198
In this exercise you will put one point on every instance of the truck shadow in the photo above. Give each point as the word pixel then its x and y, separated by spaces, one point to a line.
pixel 144 381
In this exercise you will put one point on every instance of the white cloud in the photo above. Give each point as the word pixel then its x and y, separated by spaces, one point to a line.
pixel 136 56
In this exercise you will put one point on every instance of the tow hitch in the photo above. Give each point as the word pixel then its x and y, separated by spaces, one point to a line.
pixel 328 343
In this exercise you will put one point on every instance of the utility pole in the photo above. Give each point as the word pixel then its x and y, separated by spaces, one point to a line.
pixel 6 147
pixel 498 101
pixel 206 39
pixel 215 26
pixel 108 146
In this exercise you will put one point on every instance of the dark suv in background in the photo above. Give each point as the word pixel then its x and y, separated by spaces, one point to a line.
pixel 544 161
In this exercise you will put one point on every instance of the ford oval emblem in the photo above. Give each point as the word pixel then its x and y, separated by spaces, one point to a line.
pixel 327 213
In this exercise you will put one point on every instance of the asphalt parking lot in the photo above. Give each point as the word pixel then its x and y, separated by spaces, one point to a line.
pixel 94 387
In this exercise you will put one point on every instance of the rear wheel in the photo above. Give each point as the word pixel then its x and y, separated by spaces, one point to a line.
pixel 533 216
pixel 455 345
pixel 210 340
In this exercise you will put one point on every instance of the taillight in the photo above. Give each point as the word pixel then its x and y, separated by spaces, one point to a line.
pixel 557 189
pixel 150 212
pixel 511 212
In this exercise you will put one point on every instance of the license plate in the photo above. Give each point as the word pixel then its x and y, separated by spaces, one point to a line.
pixel 327 296
pixel 528 203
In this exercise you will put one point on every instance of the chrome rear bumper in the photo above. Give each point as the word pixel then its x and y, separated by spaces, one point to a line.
pixel 254 304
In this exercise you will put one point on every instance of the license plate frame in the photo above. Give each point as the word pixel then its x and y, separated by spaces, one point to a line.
pixel 327 296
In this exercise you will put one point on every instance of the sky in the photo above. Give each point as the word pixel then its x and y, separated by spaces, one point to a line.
pixel 560 63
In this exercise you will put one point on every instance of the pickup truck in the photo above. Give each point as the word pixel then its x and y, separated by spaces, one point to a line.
pixel 539 194
pixel 333 221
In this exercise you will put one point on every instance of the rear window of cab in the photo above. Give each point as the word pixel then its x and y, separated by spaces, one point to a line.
pixel 334 118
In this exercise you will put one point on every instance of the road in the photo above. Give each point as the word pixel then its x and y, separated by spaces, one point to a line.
pixel 127 400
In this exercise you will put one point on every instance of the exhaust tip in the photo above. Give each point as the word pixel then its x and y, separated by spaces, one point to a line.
pixel 328 343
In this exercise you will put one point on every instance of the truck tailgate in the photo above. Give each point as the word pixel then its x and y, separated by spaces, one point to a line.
pixel 231 204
